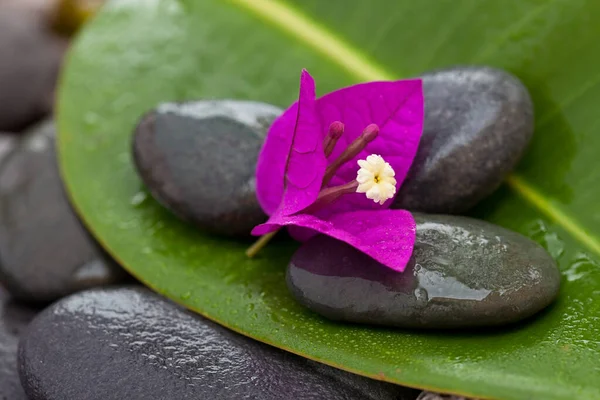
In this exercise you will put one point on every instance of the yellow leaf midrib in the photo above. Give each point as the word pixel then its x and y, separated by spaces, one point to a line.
pixel 357 64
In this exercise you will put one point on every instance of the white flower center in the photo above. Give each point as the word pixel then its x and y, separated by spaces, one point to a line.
pixel 376 179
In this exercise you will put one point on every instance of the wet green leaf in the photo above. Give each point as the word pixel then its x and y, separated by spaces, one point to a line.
pixel 138 53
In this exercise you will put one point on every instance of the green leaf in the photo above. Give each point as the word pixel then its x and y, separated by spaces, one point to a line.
pixel 138 53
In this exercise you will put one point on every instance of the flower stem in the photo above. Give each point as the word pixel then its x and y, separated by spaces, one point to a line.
pixel 259 244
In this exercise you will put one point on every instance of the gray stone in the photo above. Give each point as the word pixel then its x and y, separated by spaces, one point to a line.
pixel 198 160
pixel 129 343
pixel 43 10
pixel 30 58
pixel 44 251
pixel 439 396
pixel 478 122
pixel 7 144
pixel 13 320
pixel 463 273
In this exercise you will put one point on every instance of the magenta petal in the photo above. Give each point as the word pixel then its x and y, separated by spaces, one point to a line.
pixel 397 107
pixel 272 160
pixel 265 228
pixel 388 236
pixel 292 151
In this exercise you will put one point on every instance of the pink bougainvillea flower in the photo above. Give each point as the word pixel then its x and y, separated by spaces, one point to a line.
pixel 332 165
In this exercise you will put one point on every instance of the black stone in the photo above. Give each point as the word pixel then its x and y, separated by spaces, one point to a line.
pixel 13 320
pixel 440 396
pixel 478 122
pixel 129 343
pixel 463 273
pixel 198 160
pixel 8 142
pixel 44 251
pixel 30 58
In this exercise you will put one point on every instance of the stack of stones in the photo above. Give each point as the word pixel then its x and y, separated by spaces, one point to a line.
pixel 74 326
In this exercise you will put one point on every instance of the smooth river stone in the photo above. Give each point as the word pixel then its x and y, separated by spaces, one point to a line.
pixel 7 144
pixel 129 343
pixel 45 253
pixel 439 396
pixel 198 159
pixel 30 58
pixel 478 123
pixel 14 318
pixel 463 273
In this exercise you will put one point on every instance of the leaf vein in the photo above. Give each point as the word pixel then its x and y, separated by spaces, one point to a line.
pixel 587 86
pixel 512 29
pixel 313 34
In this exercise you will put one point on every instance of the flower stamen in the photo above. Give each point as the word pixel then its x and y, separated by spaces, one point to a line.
pixel 331 194
pixel 336 130
pixel 368 135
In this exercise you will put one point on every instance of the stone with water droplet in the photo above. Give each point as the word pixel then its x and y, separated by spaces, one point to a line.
pixel 463 273
pixel 130 343
pixel 198 159
pixel 478 122
pixel 45 253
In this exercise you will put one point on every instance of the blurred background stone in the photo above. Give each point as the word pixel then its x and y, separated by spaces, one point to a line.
pixel 14 318
pixel 45 253
pixel 40 9
pixel 30 59
pixel 7 144
pixel 438 396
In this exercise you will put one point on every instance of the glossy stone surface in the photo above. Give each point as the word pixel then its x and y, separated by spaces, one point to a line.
pixel 439 396
pixel 14 318
pixel 463 273
pixel 44 251
pixel 30 58
pixel 129 343
pixel 478 123
pixel 198 159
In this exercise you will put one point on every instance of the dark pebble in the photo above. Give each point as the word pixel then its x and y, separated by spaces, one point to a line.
pixel 13 320
pixel 129 343
pixel 463 273
pixel 440 396
pixel 198 159
pixel 30 58
pixel 478 123
pixel 8 142
pixel 44 251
